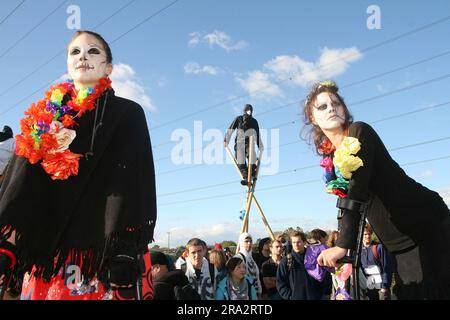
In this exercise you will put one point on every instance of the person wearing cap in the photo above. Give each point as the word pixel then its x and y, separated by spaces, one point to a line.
pixel 7 146
pixel 246 127
pixel 165 280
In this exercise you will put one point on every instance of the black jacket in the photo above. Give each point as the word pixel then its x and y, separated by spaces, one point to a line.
pixel 164 284
pixel 401 211
pixel 243 124
pixel 295 283
pixel 111 201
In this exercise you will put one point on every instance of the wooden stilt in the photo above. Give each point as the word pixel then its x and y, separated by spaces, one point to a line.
pixel 250 192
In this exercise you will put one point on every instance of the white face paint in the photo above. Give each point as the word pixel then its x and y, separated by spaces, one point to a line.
pixel 87 61
pixel 328 112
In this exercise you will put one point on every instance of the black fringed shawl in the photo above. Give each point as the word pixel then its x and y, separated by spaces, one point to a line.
pixel 111 200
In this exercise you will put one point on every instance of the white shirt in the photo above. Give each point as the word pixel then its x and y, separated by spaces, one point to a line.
pixel 6 152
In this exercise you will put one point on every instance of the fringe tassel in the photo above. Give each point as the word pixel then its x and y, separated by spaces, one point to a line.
pixel 92 262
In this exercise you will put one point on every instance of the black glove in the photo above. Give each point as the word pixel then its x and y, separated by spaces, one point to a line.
pixel 348 229
pixel 124 266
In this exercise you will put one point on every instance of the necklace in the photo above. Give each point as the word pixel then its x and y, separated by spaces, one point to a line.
pixel 46 131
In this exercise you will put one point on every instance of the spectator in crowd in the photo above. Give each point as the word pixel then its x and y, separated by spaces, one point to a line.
pixel 376 266
pixel 181 261
pixel 245 252
pixel 217 258
pixel 237 285
pixel 293 281
pixel 169 284
pixel 269 269
pixel 200 273
pixel 228 253
pixel 319 237
pixel 331 242
pixel 260 257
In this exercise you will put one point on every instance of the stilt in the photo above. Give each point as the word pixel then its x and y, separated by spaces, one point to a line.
pixel 250 191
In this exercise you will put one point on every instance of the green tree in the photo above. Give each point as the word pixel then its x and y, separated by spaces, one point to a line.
pixel 228 243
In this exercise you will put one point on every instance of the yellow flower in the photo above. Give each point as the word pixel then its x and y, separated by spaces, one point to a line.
pixel 352 145
pixel 82 94
pixel 57 97
pixel 347 164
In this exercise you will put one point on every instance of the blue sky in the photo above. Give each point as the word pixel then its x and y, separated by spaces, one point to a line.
pixel 219 55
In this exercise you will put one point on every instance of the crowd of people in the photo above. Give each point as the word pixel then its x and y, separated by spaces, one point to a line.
pixel 279 269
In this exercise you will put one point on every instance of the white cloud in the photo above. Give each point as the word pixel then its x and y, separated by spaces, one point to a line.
pixel 126 85
pixel 216 38
pixel 331 63
pixel 194 39
pixel 259 85
pixel 425 174
pixel 195 68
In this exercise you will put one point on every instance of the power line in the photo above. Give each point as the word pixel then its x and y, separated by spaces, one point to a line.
pixel 12 12
pixel 285 185
pixel 371 122
pixel 58 54
pixel 304 73
pixel 297 169
pixel 32 29
pixel 344 86
pixel 352 104
pixel 146 20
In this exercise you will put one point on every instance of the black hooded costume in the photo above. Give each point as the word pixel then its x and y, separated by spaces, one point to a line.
pixel 109 208
pixel 246 126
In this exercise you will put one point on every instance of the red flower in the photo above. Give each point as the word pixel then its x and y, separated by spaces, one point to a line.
pixel 339 192
pixel 326 147
pixel 61 165
pixel 67 121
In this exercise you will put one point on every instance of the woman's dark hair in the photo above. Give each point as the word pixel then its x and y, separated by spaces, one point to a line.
pixel 105 44
pixel 232 264
pixel 317 234
pixel 311 132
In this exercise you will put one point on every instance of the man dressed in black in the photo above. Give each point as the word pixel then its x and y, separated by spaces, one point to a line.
pixel 246 126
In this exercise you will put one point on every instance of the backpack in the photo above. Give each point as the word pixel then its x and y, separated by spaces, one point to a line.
pixel 185 292
pixel 374 248
pixel 212 273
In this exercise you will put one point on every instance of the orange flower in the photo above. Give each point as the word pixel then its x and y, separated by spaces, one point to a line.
pixel 61 165
pixel 67 121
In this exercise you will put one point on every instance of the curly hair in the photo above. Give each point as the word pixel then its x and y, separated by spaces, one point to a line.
pixel 311 132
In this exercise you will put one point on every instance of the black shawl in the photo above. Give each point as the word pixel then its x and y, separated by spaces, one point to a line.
pixel 111 200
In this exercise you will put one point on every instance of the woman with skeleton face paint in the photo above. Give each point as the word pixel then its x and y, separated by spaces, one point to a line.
pixel 78 200
pixel 412 221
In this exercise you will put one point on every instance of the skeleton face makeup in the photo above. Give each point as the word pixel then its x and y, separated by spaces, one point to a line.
pixel 87 61
pixel 328 112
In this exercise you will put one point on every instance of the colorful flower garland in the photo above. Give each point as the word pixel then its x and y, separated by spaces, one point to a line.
pixel 340 166
pixel 45 129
